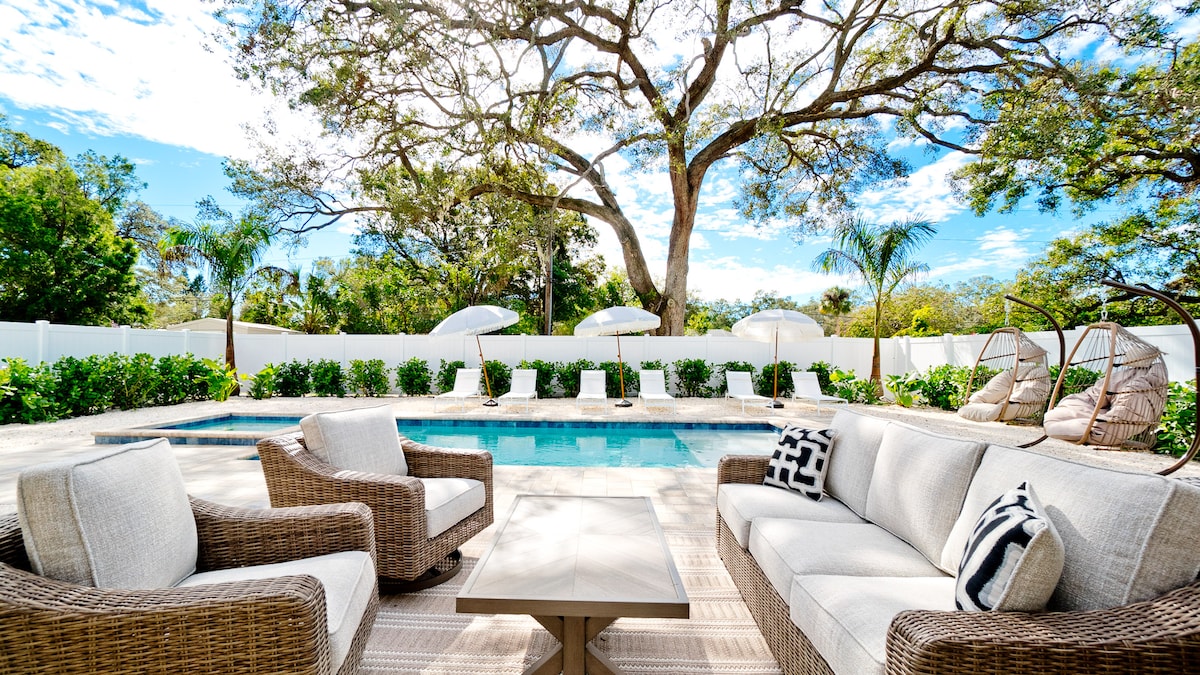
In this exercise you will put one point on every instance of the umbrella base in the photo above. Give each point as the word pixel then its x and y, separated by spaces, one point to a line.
pixel 623 404
pixel 491 403
pixel 775 404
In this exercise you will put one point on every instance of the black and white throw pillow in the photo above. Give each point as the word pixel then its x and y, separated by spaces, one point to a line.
pixel 800 460
pixel 1013 559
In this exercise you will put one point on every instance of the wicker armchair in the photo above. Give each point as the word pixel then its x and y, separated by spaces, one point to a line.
pixel 408 557
pixel 272 625
pixel 1157 636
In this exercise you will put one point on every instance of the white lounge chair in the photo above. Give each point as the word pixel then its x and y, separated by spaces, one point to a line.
pixel 739 387
pixel 524 387
pixel 591 388
pixel 653 389
pixel 466 385
pixel 807 389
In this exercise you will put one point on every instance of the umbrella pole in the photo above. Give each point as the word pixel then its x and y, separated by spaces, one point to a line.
pixel 623 403
pixel 775 394
pixel 491 402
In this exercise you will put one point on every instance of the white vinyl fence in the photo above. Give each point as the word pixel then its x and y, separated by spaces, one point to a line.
pixel 45 342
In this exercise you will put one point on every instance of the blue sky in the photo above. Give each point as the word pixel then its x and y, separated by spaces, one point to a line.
pixel 135 79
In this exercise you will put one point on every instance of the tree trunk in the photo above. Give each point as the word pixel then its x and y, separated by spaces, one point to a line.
pixel 876 376
pixel 685 192
pixel 229 356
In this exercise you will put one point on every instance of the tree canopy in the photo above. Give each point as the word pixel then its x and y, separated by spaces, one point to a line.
pixel 797 100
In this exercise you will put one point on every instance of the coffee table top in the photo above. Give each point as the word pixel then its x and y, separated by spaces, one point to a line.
pixel 577 556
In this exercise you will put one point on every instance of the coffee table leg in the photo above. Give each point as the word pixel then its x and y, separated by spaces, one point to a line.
pixel 574 655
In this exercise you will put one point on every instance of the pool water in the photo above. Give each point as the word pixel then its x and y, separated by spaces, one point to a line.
pixel 237 423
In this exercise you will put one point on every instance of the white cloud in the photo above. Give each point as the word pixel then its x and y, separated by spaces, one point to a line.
pixel 731 278
pixel 926 192
pixel 115 69
pixel 999 249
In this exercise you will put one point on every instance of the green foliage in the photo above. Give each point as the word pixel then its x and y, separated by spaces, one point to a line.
pixel 500 377
pixel 845 383
pixel 654 365
pixel 175 383
pixel 328 378
pixel 413 377
pixel 692 376
pixel 294 378
pixel 220 379
pixel 945 386
pixel 447 371
pixel 136 381
pixel 1077 379
pixel 822 369
pixel 612 384
pixel 369 378
pixel 1177 429
pixel 906 388
pixel 567 375
pixel 31 392
pixel 262 383
pixel 545 376
pixel 85 386
pixel 764 384
pixel 730 366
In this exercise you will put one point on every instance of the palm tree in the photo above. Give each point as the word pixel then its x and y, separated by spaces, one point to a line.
pixel 881 256
pixel 835 302
pixel 230 249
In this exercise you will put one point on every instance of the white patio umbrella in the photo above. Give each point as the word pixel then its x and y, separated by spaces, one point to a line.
pixel 614 321
pixel 773 325
pixel 477 320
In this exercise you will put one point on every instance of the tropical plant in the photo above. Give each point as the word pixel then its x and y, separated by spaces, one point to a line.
pixel 368 378
pixel 262 383
pixel 31 392
pixel 328 379
pixel 945 386
pixel 845 383
pixel 692 376
pixel 232 251
pixel 1177 429
pixel 413 377
pixel 221 380
pixel 906 388
pixel 822 369
pixel 882 258
pixel 836 302
pixel 293 378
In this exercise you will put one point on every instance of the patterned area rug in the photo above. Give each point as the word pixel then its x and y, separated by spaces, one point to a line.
pixel 421 632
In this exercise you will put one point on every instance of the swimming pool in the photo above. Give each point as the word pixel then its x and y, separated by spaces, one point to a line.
pixel 511 442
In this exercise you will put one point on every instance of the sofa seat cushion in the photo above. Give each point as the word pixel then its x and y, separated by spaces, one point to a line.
pixel 365 440
pixel 349 581
pixel 1126 537
pixel 918 487
pixel 847 618
pixel 740 503
pixel 785 547
pixel 449 500
pixel 115 518
pixel 852 458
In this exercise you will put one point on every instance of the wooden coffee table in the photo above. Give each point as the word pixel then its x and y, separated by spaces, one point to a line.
pixel 576 564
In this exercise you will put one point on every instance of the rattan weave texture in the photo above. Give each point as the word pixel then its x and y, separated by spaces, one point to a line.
pixel 296 477
pixel 265 626
pixel 1159 636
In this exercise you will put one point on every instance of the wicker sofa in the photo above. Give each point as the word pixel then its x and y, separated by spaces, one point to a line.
pixel 862 581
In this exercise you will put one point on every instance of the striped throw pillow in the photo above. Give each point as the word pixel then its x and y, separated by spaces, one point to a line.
pixel 800 460
pixel 1013 559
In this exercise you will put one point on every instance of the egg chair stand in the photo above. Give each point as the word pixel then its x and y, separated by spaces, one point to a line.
pixel 1010 381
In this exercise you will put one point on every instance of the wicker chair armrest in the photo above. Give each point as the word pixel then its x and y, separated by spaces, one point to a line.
pixel 1160 635
pixel 238 537
pixel 427 461
pixel 742 468
pixel 269 625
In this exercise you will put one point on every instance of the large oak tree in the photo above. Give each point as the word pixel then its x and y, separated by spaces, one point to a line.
pixel 799 98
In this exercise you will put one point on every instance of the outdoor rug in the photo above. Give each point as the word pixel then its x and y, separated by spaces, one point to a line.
pixel 421 632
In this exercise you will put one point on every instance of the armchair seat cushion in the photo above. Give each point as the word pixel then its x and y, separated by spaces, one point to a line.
pixel 740 503
pixel 349 581
pixel 115 518
pixel 450 500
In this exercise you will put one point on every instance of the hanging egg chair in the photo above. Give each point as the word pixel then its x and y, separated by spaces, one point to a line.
pixel 1010 381
pixel 1112 391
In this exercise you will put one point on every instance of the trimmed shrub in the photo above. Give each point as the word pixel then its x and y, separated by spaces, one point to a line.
pixel 765 382
pixel 262 383
pixel 612 383
pixel 692 376
pixel 174 379
pixel 369 378
pixel 499 376
pixel 567 375
pixel 822 369
pixel 84 386
pixel 722 385
pixel 136 381
pixel 293 379
pixel 221 379
pixel 945 386
pixel 447 370
pixel 545 376
pixel 328 378
pixel 413 377
pixel 27 393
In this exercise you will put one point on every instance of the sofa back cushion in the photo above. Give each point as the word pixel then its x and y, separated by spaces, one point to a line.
pixel 1126 537
pixel 918 487
pixel 117 518
pixel 356 440
pixel 852 458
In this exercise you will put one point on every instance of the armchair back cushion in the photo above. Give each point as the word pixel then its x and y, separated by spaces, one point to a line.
pixel 356 440
pixel 116 518
pixel 1126 537
pixel 918 487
